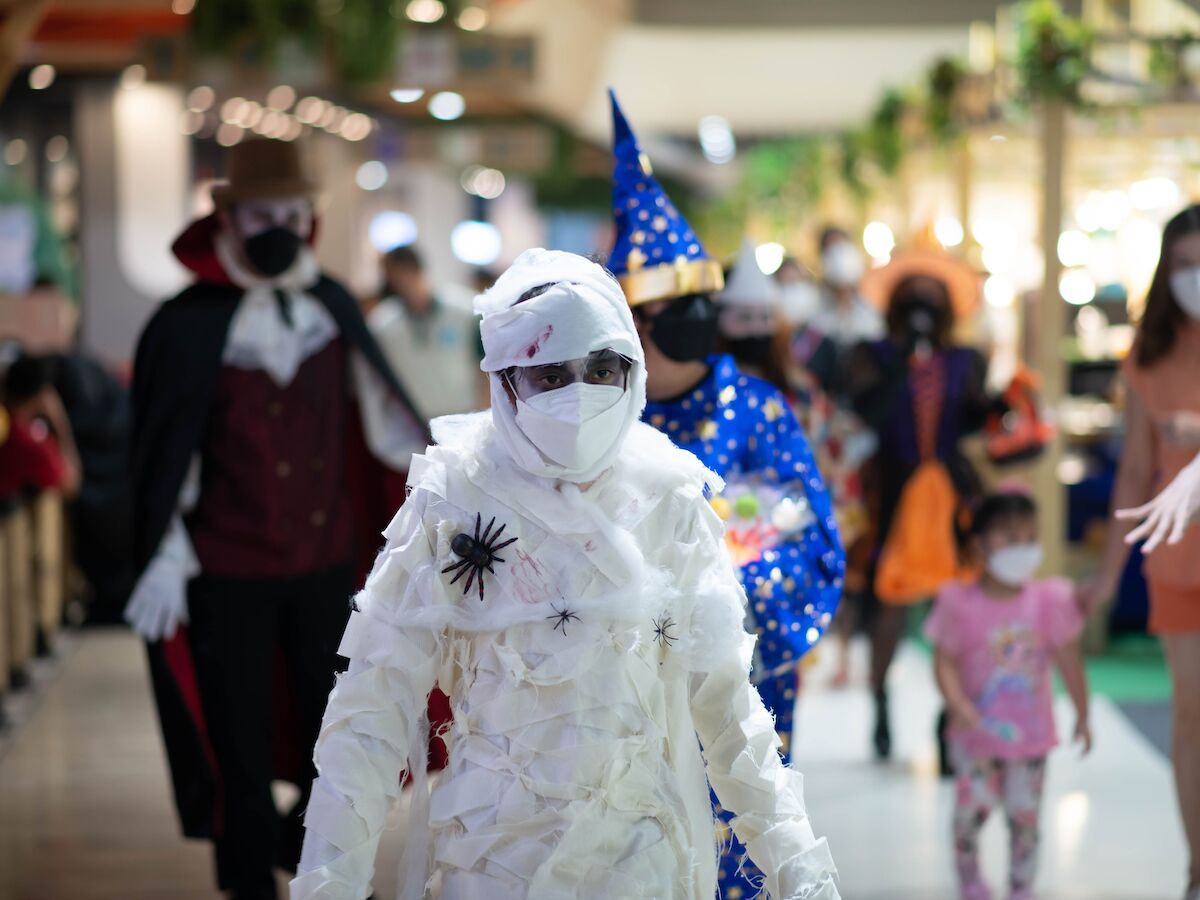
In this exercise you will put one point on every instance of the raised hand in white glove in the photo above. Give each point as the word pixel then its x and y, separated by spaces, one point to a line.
pixel 158 605
pixel 1167 516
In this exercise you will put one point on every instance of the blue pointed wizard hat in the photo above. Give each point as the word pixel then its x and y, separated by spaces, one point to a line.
pixel 656 256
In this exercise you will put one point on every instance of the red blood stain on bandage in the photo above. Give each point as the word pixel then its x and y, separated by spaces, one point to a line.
pixel 532 350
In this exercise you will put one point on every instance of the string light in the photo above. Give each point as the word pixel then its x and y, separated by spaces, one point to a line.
pixel 473 18
pixel 425 11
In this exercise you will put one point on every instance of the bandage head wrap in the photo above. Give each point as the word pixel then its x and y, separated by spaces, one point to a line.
pixel 579 309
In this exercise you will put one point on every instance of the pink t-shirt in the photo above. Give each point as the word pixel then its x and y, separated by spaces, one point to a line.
pixel 1004 649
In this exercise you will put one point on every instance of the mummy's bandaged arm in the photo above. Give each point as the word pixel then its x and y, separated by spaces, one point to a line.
pixel 741 749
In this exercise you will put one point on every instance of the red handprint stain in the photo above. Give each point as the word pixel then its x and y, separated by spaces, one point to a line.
pixel 529 583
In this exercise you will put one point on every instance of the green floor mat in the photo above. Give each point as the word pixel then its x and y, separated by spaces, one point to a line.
pixel 1131 668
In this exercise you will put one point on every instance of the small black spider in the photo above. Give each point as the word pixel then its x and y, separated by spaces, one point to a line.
pixel 562 617
pixel 662 631
pixel 477 553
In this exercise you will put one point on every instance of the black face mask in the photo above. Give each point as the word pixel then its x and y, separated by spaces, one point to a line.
pixel 686 331
pixel 755 350
pixel 273 251
pixel 921 321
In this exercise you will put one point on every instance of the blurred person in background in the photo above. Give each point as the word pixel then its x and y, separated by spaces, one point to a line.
pixel 38 451
pixel 1162 436
pixel 921 395
pixel 799 295
pixel 99 409
pixel 433 345
pixel 749 322
pixel 844 315
pixel 779 519
pixel 37 454
pixel 245 524
pixel 820 365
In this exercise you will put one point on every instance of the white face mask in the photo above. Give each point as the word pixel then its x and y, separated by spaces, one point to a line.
pixel 576 425
pixel 799 302
pixel 1016 564
pixel 1185 288
pixel 842 264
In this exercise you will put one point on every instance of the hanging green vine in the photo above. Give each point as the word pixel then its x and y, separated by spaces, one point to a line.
pixel 360 36
pixel 1166 67
pixel 884 139
pixel 1053 53
pixel 942 84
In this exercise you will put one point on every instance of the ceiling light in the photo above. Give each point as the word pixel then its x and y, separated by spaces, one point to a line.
pixel 447 106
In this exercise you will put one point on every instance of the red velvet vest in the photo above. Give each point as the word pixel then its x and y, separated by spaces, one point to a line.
pixel 273 500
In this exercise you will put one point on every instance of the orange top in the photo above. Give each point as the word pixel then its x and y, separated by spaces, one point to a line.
pixel 1169 386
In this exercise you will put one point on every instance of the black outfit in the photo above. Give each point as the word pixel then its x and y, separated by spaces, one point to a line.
pixel 232 620
pixel 98 408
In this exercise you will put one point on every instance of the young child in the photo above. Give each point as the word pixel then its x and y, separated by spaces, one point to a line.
pixel 995 641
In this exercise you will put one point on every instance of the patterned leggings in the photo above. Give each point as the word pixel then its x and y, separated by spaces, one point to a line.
pixel 980 785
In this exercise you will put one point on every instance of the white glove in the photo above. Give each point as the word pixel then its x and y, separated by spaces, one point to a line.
pixel 1166 517
pixel 158 605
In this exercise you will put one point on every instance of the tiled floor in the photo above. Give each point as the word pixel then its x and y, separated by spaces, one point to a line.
pixel 1110 830
pixel 85 812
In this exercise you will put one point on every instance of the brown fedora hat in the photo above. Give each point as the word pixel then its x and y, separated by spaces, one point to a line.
pixel 263 169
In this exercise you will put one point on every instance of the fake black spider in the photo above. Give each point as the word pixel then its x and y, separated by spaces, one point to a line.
pixel 477 553
pixel 662 631
pixel 562 617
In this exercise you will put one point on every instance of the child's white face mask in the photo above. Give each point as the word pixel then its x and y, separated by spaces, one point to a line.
pixel 1015 564
pixel 576 425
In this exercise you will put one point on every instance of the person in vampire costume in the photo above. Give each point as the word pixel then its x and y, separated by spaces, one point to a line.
pixel 245 446
pixel 779 520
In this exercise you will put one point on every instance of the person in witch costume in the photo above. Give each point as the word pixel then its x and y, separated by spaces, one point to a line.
pixel 780 525
pixel 243 447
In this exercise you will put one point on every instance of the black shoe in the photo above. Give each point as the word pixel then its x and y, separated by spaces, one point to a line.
pixel 18 679
pixel 883 733
pixel 260 894
pixel 945 769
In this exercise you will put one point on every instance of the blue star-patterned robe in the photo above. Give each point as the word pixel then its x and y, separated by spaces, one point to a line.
pixel 741 426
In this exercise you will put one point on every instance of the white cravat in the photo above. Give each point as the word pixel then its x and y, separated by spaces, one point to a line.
pixel 259 338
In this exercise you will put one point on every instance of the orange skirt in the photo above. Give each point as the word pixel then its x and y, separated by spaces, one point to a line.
pixel 1173 609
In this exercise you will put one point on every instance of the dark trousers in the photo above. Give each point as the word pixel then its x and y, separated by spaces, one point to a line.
pixel 236 628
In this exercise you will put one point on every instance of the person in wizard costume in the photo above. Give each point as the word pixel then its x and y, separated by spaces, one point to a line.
pixel 245 444
pixel 780 525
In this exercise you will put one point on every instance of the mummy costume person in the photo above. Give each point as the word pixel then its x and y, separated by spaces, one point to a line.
pixel 780 526
pixel 604 633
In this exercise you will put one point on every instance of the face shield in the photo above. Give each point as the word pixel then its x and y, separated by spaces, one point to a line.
pixel 568 375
